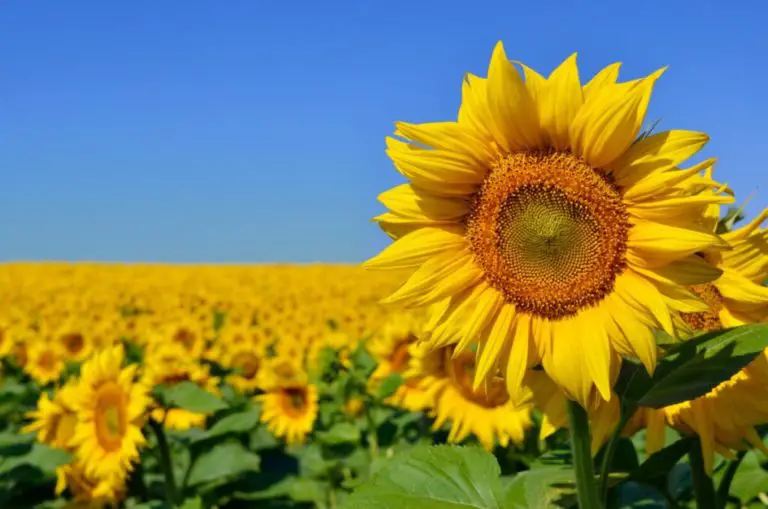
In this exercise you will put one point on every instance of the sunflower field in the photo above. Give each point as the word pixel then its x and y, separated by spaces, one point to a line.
pixel 565 317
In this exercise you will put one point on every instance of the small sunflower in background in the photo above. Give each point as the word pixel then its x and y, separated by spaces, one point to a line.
pixel 289 403
pixel 45 361
pixel 487 413
pixel 111 409
pixel 88 492
pixel 391 348
pixel 247 361
pixel 542 227
pixel 73 340
pixel 168 365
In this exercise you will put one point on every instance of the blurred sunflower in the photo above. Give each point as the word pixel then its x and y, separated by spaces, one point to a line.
pixel 168 365
pixel 391 348
pixel 45 361
pixel 289 411
pixel 488 412
pixel 541 224
pixel 72 340
pixel 54 420
pixel 110 409
pixel 247 360
pixel 86 492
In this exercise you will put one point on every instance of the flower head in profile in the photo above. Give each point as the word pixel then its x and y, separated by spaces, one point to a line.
pixel 541 226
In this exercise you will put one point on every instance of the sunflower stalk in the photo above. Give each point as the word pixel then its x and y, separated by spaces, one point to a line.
pixel 586 488
pixel 166 463
pixel 725 484
pixel 703 487
pixel 610 451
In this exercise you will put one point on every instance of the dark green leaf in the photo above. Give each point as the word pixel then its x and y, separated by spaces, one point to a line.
pixel 40 457
pixel 189 396
pixel 307 490
pixel 240 422
pixel 436 477
pixel 362 360
pixel 697 366
pixel 542 488
pixel 661 462
pixel 223 460
pixel 633 495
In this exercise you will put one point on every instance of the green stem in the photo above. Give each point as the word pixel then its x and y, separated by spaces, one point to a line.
pixel 725 484
pixel 703 488
pixel 582 457
pixel 373 439
pixel 166 464
pixel 610 451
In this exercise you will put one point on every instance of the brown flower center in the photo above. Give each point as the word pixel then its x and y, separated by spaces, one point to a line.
pixel 550 232
pixel 705 321
pixel 461 371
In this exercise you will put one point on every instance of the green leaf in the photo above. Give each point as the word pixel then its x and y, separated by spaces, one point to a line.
pixel 436 477
pixel 362 359
pixel 240 422
pixel 631 495
pixel 697 366
pixel 189 396
pixel 389 385
pixel 541 488
pixel 306 490
pixel 661 462
pixel 341 433
pixel 751 479
pixel 192 503
pixel 40 457
pixel 224 460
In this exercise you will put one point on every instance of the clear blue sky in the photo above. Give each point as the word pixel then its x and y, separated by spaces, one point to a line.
pixel 252 131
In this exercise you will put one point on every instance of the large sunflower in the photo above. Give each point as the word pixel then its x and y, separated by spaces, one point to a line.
pixel 541 224
pixel 110 409
pixel 488 412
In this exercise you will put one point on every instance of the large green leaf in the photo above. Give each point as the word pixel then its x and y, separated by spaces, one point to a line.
pixel 224 460
pixel 40 457
pixel 240 422
pixel 750 480
pixel 389 385
pixel 189 396
pixel 661 462
pixel 540 488
pixel 695 367
pixel 433 477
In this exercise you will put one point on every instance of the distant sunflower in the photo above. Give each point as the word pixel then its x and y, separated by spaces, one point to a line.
pixel 110 409
pixel 87 492
pixel 289 411
pixel 169 365
pixel 540 224
pixel 247 360
pixel 488 413
pixel 392 350
pixel 73 342
pixel 45 362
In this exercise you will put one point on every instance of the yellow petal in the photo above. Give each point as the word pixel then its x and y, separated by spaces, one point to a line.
pixel 561 101
pixel 605 77
pixel 493 344
pixel 514 120
pixel 658 152
pixel 659 181
pixel 418 246
pixel 660 243
pixel 488 304
pixel 410 202
pixel 606 127
pixel 449 136
pixel 518 359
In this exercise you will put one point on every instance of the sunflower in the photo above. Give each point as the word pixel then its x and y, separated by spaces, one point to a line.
pixel 247 360
pixel 168 365
pixel 73 341
pixel 45 361
pixel 88 492
pixel 54 420
pixel 541 224
pixel 735 298
pixel 110 410
pixel 488 413
pixel 391 349
pixel 289 411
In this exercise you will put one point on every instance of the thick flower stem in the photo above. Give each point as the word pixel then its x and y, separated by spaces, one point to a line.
pixel 166 464
pixel 703 487
pixel 586 487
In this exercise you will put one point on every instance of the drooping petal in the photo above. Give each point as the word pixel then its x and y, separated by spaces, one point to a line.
pixel 418 246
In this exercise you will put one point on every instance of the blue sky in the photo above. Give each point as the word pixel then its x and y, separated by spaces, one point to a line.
pixel 253 131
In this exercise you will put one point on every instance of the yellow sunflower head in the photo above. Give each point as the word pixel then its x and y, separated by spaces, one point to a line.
pixel 88 492
pixel 247 360
pixel 45 361
pixel 289 411
pixel 486 412
pixel 110 408
pixel 540 225
pixel 73 341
